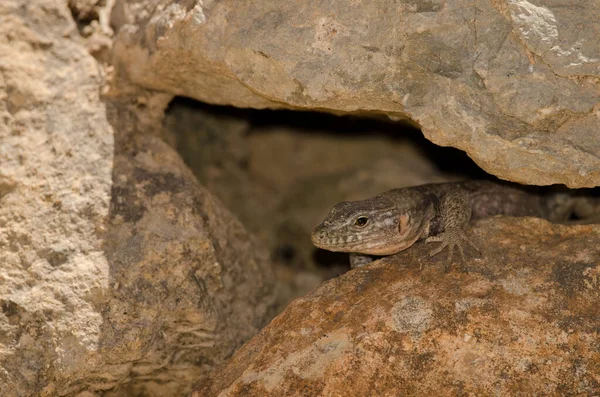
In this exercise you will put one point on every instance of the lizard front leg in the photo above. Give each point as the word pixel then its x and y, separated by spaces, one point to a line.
pixel 358 260
pixel 455 213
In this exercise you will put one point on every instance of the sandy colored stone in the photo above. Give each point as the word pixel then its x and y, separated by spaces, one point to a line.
pixel 515 84
pixel 56 149
pixel 119 274
pixel 523 321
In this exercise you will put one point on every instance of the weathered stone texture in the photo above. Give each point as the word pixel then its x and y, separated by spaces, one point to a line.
pixel 523 321
pixel 56 158
pixel 188 285
pixel 513 83
pixel 117 269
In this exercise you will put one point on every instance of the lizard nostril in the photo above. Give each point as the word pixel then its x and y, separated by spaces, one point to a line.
pixel 319 236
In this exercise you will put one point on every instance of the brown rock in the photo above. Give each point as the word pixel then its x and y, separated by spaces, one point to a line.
pixel 188 284
pixel 515 84
pixel 523 321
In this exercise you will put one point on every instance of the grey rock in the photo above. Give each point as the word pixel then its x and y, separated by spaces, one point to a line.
pixel 514 84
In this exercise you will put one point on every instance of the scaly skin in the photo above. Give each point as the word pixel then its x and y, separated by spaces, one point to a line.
pixel 393 221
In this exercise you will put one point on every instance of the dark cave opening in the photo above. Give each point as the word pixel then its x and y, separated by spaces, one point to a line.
pixel 280 171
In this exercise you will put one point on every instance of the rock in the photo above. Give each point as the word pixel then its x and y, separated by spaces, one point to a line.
pixel 93 22
pixel 56 149
pixel 120 274
pixel 514 84
pixel 85 10
pixel 188 283
pixel 523 321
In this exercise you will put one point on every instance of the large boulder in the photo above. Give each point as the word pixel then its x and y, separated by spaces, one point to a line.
pixel 118 270
pixel 514 84
pixel 524 320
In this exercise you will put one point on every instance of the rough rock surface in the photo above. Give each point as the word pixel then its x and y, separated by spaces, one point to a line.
pixel 523 321
pixel 514 83
pixel 56 149
pixel 116 268
pixel 188 284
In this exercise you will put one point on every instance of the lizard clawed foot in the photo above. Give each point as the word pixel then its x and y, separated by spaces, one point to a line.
pixel 452 238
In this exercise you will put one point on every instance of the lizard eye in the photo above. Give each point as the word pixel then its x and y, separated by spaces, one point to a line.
pixel 361 221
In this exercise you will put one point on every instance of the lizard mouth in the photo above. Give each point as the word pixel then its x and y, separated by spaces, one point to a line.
pixel 321 239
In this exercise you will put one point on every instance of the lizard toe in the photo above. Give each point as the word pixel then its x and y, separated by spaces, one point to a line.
pixel 470 242
pixel 452 239
pixel 439 249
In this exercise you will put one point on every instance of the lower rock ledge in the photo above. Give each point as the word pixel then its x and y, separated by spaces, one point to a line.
pixel 524 320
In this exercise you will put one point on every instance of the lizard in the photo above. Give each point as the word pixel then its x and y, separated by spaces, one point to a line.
pixel 436 213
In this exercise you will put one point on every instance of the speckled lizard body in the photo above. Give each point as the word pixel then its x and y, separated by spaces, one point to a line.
pixel 393 221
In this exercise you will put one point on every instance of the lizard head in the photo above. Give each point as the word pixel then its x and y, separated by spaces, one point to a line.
pixel 375 226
